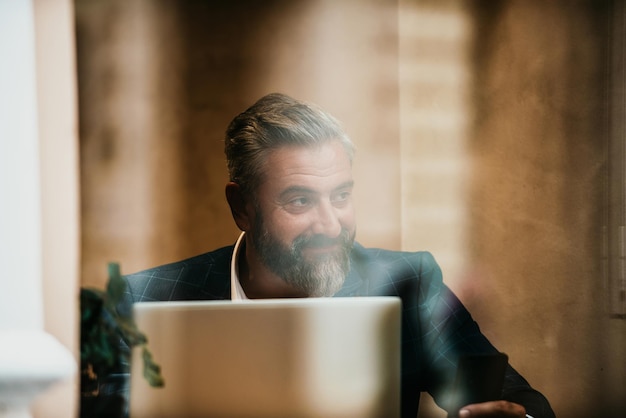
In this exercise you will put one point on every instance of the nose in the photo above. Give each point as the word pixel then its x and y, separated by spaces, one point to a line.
pixel 327 220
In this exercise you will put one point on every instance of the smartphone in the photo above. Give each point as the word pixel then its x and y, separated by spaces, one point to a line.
pixel 479 378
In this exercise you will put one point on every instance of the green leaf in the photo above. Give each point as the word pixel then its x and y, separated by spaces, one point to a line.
pixel 116 286
pixel 151 370
pixel 130 332
pixel 102 325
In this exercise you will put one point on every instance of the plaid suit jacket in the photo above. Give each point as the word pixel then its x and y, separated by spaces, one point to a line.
pixel 436 327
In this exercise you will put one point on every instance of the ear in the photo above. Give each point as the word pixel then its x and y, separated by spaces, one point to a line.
pixel 241 210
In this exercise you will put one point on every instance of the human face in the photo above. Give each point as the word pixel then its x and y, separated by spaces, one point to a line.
pixel 304 225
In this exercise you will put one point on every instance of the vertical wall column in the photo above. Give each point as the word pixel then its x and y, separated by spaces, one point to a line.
pixel 31 359
pixel 435 86
pixel 20 215
pixel 59 177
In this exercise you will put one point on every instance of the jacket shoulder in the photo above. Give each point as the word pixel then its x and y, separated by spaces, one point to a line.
pixel 205 276
pixel 387 272
pixel 418 262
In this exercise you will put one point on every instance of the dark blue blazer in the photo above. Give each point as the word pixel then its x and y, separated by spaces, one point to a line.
pixel 436 327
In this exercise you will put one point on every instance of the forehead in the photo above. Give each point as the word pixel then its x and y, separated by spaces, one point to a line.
pixel 316 167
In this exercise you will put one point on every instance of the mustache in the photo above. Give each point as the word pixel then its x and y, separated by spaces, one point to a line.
pixel 344 239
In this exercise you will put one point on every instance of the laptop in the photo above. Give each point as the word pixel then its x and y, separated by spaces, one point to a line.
pixel 318 357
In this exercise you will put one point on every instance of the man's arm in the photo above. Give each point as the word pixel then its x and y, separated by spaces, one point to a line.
pixel 448 331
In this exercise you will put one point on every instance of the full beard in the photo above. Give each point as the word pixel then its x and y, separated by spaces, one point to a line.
pixel 320 275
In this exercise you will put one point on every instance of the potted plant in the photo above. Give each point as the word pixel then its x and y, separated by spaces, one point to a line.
pixel 108 334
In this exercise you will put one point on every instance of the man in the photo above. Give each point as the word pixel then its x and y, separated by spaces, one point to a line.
pixel 290 193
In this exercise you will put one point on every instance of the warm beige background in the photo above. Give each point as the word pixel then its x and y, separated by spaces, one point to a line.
pixel 481 133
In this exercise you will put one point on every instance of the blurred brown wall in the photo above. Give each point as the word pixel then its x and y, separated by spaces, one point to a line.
pixel 538 199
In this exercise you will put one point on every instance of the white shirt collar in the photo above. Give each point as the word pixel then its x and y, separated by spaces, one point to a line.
pixel 236 291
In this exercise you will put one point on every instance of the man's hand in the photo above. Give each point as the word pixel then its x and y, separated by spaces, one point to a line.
pixel 494 409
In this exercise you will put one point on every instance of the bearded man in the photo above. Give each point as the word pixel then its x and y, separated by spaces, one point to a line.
pixel 290 193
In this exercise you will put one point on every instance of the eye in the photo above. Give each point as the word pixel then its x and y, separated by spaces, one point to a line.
pixel 342 197
pixel 300 202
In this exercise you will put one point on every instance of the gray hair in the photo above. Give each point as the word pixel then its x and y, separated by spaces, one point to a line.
pixel 274 121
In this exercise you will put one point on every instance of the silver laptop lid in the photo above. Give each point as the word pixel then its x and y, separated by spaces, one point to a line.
pixel 322 357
